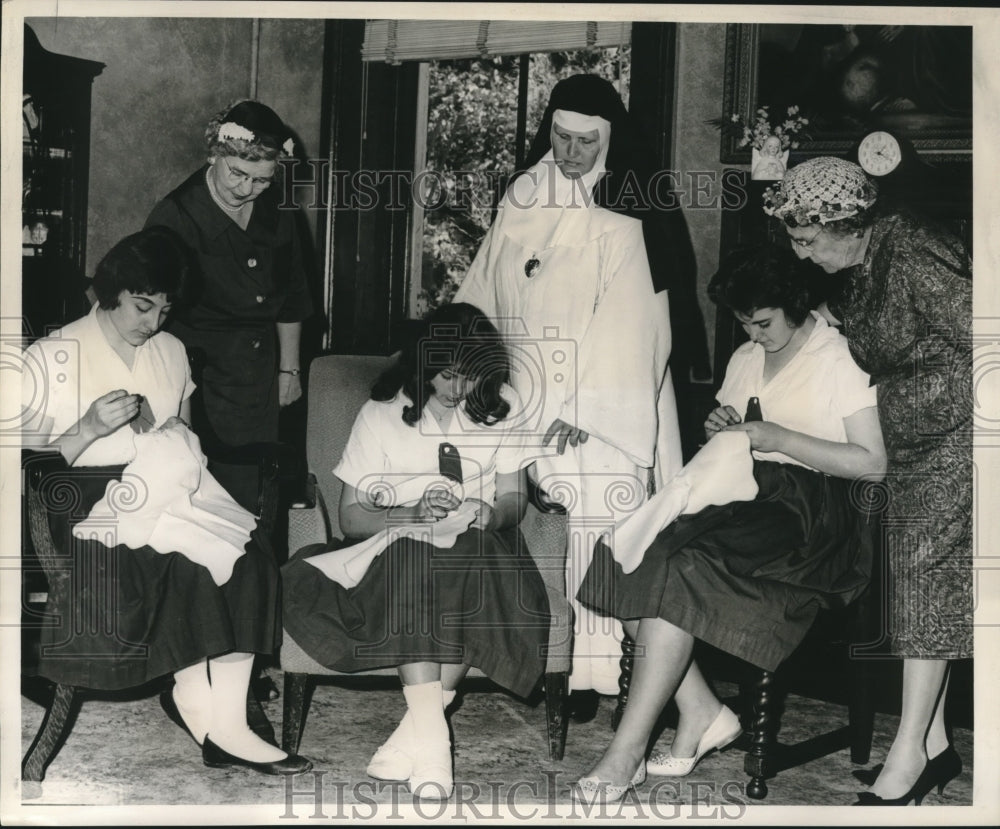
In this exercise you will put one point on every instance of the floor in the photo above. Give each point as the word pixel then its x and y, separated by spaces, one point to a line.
pixel 126 752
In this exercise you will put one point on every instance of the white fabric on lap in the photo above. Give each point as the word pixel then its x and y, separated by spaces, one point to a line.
pixel 168 500
pixel 348 566
pixel 722 472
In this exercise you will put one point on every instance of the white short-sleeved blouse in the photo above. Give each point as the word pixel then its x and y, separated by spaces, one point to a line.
pixel 813 394
pixel 69 369
pixel 393 462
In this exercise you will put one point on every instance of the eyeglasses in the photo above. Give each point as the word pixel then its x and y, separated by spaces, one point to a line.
pixel 805 244
pixel 238 177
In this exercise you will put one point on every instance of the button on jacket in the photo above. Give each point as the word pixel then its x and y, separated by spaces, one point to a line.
pixel 251 280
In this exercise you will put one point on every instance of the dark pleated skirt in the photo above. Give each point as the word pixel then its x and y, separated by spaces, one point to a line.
pixel 118 617
pixel 748 577
pixel 481 602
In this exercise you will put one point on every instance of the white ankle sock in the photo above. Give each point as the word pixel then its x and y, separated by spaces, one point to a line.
pixel 403 737
pixel 193 697
pixel 432 767
pixel 230 678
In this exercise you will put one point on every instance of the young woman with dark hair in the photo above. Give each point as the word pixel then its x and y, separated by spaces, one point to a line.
pixel 749 576
pixel 432 608
pixel 164 612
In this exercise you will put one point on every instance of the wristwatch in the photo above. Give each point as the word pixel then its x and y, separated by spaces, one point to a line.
pixel 295 372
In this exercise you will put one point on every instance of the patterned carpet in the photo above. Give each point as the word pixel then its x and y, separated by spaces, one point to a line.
pixel 125 752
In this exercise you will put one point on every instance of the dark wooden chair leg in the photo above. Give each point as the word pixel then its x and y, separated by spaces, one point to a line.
pixel 860 711
pixel 293 716
pixel 759 759
pixel 257 719
pixel 864 626
pixel 627 663
pixel 52 733
pixel 556 686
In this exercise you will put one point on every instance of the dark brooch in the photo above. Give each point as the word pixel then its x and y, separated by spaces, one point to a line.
pixel 531 266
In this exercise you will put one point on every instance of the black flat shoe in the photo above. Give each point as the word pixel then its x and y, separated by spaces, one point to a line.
pixel 264 688
pixel 218 758
pixel 169 707
pixel 582 705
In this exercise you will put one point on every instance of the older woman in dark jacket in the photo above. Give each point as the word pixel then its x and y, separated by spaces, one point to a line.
pixel 245 330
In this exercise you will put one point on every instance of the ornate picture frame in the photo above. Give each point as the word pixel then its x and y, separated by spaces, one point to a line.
pixel 915 81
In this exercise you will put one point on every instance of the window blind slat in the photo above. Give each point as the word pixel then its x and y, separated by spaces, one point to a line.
pixel 418 40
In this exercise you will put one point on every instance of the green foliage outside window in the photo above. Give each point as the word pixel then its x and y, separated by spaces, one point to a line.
pixel 471 129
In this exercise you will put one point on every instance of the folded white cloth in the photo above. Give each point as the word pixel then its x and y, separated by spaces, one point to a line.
pixel 722 472
pixel 168 500
pixel 348 565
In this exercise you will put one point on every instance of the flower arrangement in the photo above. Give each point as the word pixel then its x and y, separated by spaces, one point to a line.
pixel 756 134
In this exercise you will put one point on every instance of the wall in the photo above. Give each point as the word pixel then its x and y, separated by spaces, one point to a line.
pixel 290 78
pixel 164 78
pixel 701 52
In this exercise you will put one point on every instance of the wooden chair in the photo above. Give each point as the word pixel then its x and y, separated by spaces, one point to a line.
pixel 838 636
pixel 50 581
pixel 338 387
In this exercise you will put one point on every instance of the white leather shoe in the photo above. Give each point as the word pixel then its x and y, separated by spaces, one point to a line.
pixel 594 791
pixel 390 762
pixel 725 728
pixel 393 760
pixel 432 776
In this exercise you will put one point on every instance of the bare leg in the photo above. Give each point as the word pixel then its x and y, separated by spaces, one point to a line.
pixel 937 736
pixel 923 682
pixel 663 653
pixel 417 673
pixel 698 707
pixel 451 675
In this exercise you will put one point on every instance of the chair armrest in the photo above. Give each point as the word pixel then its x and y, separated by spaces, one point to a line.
pixel 307 495
pixel 277 467
pixel 52 497
pixel 538 499
pixel 37 463
pixel 545 535
pixel 308 519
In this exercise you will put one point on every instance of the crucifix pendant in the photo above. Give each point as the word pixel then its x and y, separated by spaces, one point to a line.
pixel 531 266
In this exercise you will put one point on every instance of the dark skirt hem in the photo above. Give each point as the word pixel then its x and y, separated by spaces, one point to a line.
pixel 484 605
pixel 162 613
pixel 747 577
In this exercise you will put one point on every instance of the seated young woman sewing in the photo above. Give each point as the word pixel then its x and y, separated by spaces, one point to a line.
pixel 747 577
pixel 428 460
pixel 118 385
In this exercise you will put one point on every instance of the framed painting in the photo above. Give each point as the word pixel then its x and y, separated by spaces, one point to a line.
pixel 915 81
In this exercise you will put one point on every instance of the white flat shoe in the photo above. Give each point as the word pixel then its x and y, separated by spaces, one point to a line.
pixel 390 762
pixel 432 776
pixel 725 728
pixel 594 791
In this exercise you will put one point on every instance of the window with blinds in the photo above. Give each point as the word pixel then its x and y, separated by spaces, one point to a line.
pixel 395 41
pixel 484 86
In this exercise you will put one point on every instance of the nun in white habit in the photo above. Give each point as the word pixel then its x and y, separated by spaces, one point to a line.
pixel 564 274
